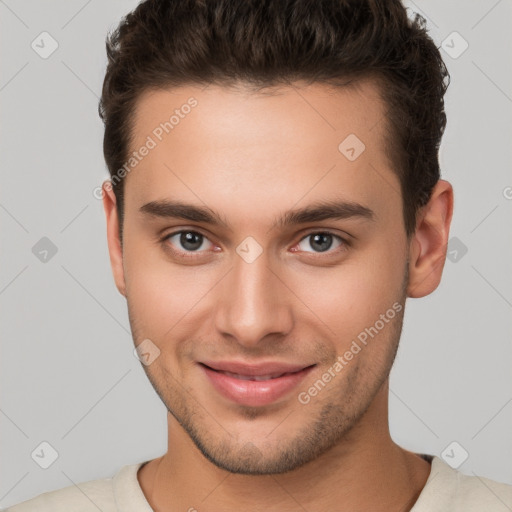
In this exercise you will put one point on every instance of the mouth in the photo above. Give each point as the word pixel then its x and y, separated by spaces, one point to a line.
pixel 253 377
pixel 254 385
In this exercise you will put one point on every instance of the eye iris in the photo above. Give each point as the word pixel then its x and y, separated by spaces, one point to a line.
pixel 194 239
pixel 321 241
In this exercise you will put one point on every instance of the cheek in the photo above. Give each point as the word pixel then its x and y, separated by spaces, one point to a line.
pixel 352 296
pixel 161 293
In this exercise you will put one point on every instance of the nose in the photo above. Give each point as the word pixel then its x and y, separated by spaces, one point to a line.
pixel 253 303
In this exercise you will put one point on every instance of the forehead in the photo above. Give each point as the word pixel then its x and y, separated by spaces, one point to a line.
pixel 272 115
pixel 235 146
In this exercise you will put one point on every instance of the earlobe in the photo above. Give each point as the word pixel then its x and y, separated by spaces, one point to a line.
pixel 114 244
pixel 427 250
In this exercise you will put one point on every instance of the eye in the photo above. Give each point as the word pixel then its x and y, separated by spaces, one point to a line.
pixel 187 241
pixel 320 242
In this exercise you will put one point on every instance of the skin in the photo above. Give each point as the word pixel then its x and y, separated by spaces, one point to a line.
pixel 251 157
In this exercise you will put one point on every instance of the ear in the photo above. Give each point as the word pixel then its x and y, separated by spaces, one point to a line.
pixel 428 246
pixel 114 244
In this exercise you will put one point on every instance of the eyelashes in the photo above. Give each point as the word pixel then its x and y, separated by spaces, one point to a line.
pixel 320 237
pixel 188 237
pixel 194 244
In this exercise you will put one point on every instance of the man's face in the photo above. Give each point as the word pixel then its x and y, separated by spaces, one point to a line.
pixel 252 290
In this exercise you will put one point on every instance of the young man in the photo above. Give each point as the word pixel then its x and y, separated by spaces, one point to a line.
pixel 274 199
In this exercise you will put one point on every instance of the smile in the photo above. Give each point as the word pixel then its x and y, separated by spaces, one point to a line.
pixel 254 385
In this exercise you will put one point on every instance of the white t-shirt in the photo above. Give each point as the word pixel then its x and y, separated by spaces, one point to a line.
pixel 446 490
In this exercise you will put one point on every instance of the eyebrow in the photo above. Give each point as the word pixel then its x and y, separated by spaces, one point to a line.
pixel 322 210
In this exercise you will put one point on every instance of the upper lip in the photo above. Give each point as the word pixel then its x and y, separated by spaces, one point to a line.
pixel 255 369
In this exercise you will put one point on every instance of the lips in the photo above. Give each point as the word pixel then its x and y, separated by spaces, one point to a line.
pixel 254 377
pixel 254 384
pixel 255 369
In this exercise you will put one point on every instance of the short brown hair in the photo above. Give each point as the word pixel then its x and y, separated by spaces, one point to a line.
pixel 261 43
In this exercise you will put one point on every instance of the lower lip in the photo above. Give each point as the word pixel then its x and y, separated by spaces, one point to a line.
pixel 253 392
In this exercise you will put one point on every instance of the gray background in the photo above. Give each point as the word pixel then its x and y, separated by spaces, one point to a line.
pixel 68 373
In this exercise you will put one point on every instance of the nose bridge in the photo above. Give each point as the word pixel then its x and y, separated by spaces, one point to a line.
pixel 252 304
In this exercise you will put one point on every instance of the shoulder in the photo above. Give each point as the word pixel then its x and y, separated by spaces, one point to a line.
pixel 488 494
pixel 83 497
pixel 449 489
pixel 89 496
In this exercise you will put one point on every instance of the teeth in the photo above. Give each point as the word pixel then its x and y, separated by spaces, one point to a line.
pixel 253 377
